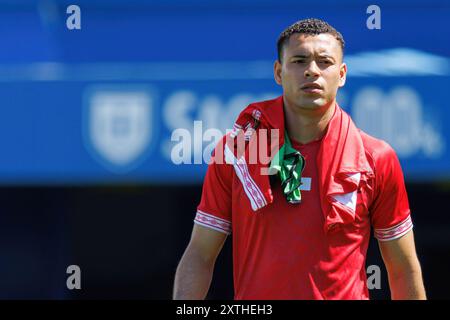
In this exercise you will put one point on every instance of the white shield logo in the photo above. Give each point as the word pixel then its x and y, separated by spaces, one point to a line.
pixel 119 125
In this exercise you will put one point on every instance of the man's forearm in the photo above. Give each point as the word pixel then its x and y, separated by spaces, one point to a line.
pixel 192 278
pixel 407 286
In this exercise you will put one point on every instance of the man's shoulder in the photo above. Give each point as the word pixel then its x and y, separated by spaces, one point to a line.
pixel 376 149
pixel 269 109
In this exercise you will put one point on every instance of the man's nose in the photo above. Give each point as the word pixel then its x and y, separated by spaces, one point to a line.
pixel 312 70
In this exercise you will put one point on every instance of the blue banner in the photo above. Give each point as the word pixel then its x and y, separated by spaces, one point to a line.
pixel 114 102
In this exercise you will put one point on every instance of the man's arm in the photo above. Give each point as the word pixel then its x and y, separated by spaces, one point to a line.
pixel 195 270
pixel 403 267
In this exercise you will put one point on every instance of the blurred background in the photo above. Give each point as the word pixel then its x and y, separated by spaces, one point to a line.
pixel 87 169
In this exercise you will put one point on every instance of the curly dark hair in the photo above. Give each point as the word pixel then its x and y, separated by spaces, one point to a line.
pixel 311 26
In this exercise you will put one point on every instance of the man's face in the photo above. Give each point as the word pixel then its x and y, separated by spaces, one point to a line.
pixel 311 70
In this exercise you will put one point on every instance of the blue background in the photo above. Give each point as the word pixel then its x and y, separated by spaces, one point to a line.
pixel 218 48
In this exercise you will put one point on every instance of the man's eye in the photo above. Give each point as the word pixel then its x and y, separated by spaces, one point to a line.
pixel 299 61
pixel 325 62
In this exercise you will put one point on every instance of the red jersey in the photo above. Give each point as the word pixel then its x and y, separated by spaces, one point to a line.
pixel 281 252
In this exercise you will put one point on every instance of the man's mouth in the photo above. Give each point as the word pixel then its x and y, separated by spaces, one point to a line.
pixel 311 87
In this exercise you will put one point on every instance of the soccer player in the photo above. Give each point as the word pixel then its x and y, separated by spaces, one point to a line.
pixel 302 232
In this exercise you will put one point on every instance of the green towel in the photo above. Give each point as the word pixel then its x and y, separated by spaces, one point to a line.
pixel 289 163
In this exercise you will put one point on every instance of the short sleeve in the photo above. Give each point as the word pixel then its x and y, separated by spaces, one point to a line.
pixel 214 210
pixel 390 212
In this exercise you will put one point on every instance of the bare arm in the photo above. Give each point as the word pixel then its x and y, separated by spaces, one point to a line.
pixel 403 267
pixel 194 272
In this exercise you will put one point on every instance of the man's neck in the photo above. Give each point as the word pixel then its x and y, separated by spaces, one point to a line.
pixel 305 125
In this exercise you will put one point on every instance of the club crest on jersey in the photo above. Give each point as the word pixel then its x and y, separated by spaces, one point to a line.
pixel 117 125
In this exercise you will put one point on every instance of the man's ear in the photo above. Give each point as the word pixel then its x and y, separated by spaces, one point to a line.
pixel 342 75
pixel 277 72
